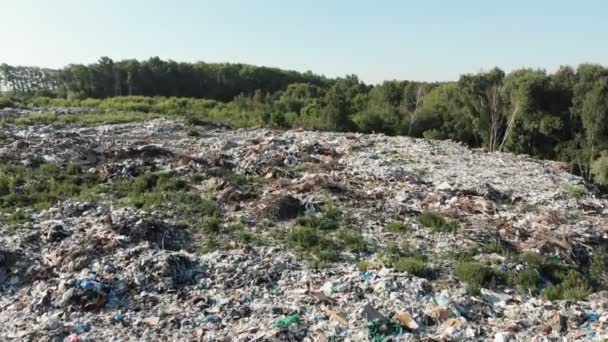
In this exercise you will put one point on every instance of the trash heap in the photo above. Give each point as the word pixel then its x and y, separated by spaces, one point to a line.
pixel 180 232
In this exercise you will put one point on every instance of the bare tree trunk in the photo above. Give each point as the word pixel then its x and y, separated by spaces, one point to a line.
pixel 419 100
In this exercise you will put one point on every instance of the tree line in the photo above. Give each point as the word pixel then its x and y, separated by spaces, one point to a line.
pixel 153 77
pixel 561 115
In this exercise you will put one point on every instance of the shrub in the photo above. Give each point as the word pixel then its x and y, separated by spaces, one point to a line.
pixel 575 191
pixel 331 211
pixel 396 227
pixel 598 267
pixel 413 265
pixel 574 286
pixel 73 169
pixel 303 238
pixel 363 265
pixel 526 280
pixel 212 224
pixel 599 170
pixel 352 241
pixel 6 102
pixel 476 275
pixel 322 223
pixel 437 223
pixel 500 247
pixel 309 240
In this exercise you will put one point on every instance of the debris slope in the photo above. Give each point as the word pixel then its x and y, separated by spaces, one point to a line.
pixel 172 231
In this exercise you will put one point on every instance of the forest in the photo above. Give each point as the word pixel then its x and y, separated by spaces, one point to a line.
pixel 561 115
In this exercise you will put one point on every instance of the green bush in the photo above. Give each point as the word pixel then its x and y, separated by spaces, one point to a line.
pixel 351 241
pixel 575 191
pixel 526 280
pixel 574 286
pixel 413 265
pixel 303 238
pixel 598 267
pixel 322 223
pixel 599 170
pixel 212 225
pixel 41 186
pixel 477 275
pixel 437 222
pixel 6 102
pixel 363 265
pixel 396 227
pixel 309 240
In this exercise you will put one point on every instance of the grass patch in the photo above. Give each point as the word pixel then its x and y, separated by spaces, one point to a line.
pixel 413 265
pixel 82 119
pixel 573 286
pixel 40 187
pixel 396 227
pixel 476 275
pixel 501 247
pixel 351 240
pixel 528 280
pixel 465 254
pixel 437 222
pixel 598 267
pixel 318 222
pixel 309 240
pixel 574 191
pixel 323 237
pixel 363 266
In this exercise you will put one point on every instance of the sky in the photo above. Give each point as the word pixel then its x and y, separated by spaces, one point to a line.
pixel 426 40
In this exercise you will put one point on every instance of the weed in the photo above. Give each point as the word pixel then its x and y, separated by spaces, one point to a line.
pixel 573 286
pixel 598 267
pixel 321 223
pixel 413 265
pixel 73 169
pixel 352 241
pixel 396 227
pixel 40 186
pixel 465 254
pixel 363 266
pixel 331 211
pixel 527 280
pixel 437 222
pixel 303 238
pixel 212 225
pixel 500 247
pixel 477 275
pixel 574 191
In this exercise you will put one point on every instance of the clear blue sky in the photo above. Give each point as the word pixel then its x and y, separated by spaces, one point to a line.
pixel 377 40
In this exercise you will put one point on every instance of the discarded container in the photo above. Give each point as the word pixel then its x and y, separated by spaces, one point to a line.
pixel 287 321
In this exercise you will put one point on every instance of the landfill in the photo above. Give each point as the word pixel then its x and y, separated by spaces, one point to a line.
pixel 99 269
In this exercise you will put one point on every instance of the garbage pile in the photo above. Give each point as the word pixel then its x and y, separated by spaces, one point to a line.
pixel 206 233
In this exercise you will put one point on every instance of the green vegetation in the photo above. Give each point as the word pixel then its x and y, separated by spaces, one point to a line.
pixel 598 267
pixel 323 237
pixel 477 275
pixel 564 281
pixel 527 280
pixel 413 265
pixel 405 259
pixel 500 247
pixel 437 222
pixel 550 116
pixel 396 227
pixel 572 285
pixel 575 191
pixel 42 185
pixel 363 265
